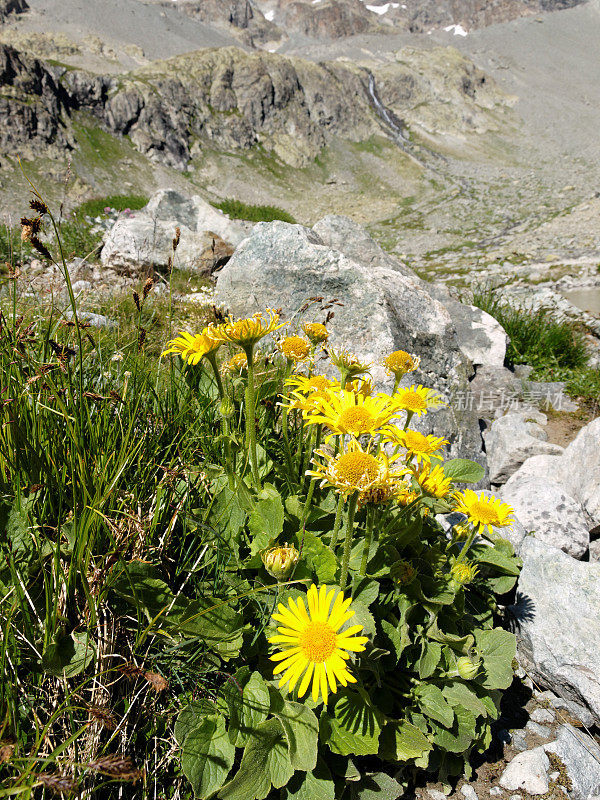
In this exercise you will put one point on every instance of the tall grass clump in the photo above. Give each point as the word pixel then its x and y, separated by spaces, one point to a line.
pixel 536 337
pixel 222 573
pixel 236 209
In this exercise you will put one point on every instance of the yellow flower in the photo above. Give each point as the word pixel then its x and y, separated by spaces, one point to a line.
pixel 312 643
pixel 419 446
pixel 417 399
pixel 483 512
pixel 316 332
pixel 280 561
pixel 463 572
pixel 309 390
pixel 405 495
pixel 294 348
pixel 237 363
pixel 364 387
pixel 192 348
pixel 349 413
pixel 348 363
pixel 400 363
pixel 434 481
pixel 247 332
pixel 354 470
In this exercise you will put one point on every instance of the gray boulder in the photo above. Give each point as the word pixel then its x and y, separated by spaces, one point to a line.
pixel 581 756
pixel 545 509
pixel 513 439
pixel 284 265
pixel 580 471
pixel 144 240
pixel 557 623
pixel 527 771
pixel 595 551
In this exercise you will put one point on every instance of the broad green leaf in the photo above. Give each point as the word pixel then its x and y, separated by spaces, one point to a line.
pixel 496 557
pixel 462 644
pixel 266 519
pixel 248 698
pixel 68 655
pixel 462 734
pixel 365 590
pixel 314 785
pixel 16 539
pixel 301 728
pixel 376 786
pixel 433 704
pixel 462 470
pixel 207 756
pixel 352 726
pixel 430 657
pixel 319 557
pixel 401 741
pixel 497 649
pixel 362 616
pixel 212 620
pixel 398 636
pixel 458 693
pixel 437 590
pixel 141 585
pixel 265 763
pixel 191 716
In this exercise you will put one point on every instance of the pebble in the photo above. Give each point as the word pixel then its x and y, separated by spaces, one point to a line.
pixel 542 715
pixel 538 730
pixel 468 792
pixel 496 791
pixel 435 794
pixel 519 742
pixel 528 771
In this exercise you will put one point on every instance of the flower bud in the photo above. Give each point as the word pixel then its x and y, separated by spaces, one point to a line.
pixel 280 561
pixel 463 573
pixel 467 668
pixel 226 408
pixel 402 572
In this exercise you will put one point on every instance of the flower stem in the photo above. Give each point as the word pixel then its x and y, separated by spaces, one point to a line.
pixel 338 521
pixel 212 360
pixel 348 539
pixel 251 416
pixel 465 548
pixel 285 433
pixel 368 540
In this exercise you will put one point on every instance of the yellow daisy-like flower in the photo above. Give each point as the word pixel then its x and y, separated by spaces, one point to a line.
pixel 348 363
pixel 349 413
pixel 354 470
pixel 309 390
pixel 247 332
pixel 316 332
pixel 434 481
pixel 313 644
pixel 405 495
pixel 420 447
pixel 399 363
pixel 364 387
pixel 417 400
pixel 294 348
pixel 192 348
pixel 484 512
pixel 237 363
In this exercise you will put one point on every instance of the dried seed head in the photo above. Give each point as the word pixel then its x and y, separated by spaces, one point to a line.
pixel 120 767
pixel 6 751
pixel 141 338
pixel 41 248
pixel 156 681
pixel 59 784
pixel 136 300
pixel 176 238
pixel 38 205
pixel 103 716
pixel 147 288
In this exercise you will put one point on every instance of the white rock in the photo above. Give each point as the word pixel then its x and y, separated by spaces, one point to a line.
pixel 528 771
pixel 595 551
pixel 542 716
pixel 581 470
pixel 544 508
pixel 468 792
pixel 581 756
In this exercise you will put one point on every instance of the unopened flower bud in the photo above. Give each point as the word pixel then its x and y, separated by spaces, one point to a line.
pixel 226 408
pixel 463 573
pixel 280 561
pixel 402 572
pixel 468 668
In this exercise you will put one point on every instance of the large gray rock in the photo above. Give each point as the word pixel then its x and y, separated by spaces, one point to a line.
pixel 580 468
pixel 284 265
pixel 527 771
pixel 514 438
pixel 581 756
pixel 144 240
pixel 558 624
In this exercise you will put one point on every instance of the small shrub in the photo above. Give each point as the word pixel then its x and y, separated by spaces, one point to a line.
pixel 238 210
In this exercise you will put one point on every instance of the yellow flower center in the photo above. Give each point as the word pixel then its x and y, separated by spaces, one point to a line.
pixel 399 362
pixel 295 348
pixel 484 512
pixel 318 641
pixel 416 442
pixel 318 383
pixel 353 468
pixel 356 419
pixel 412 401
pixel 316 332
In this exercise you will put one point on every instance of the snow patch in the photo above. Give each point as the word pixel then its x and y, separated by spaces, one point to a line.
pixel 458 30
pixel 270 15
pixel 384 8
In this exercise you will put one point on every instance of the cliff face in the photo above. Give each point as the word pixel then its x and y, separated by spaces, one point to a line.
pixel 12 7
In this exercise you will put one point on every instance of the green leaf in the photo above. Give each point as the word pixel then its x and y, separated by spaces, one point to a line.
pixel 212 620
pixel 301 728
pixel 458 693
pixel 398 636
pixel 248 699
pixel 68 655
pixel 191 716
pixel 462 470
pixel 314 785
pixel 433 704
pixel 365 590
pixel 431 653
pixel 141 585
pixel 496 557
pixel 207 755
pixel 462 735
pixel 265 763
pixel 497 649
pixel 319 557
pixel 362 616
pixel 377 786
pixel 17 541
pixel 352 726
pixel 266 520
pixel 401 741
